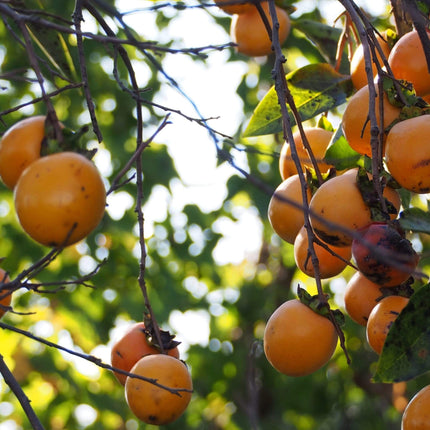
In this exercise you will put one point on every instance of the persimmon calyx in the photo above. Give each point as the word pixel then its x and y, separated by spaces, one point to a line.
pixel 320 306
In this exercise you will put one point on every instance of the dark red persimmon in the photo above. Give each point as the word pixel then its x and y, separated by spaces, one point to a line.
pixel 389 259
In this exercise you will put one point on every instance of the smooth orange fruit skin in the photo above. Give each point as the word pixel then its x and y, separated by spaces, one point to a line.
pixel 59 197
pixel 249 32
pixel 361 296
pixel 417 413
pixel 355 123
pixel 407 154
pixel 386 239
pixel 318 139
pixel 357 66
pixel 339 202
pixel 329 264
pixel 285 219
pixel 234 8
pixel 298 341
pixel 5 301
pixel 381 319
pixel 408 62
pixel 131 347
pixel 19 147
pixel 156 405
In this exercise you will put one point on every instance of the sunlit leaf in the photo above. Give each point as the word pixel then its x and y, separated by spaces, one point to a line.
pixel 315 88
pixel 340 154
pixel 406 352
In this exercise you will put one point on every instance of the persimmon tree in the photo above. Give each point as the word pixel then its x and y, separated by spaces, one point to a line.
pixel 104 76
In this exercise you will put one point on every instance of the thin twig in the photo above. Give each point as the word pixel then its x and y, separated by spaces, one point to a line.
pixel 20 395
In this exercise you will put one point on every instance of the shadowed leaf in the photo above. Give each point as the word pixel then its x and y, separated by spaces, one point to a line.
pixel 406 352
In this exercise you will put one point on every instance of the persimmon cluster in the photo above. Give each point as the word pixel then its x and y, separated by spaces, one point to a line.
pixel 353 218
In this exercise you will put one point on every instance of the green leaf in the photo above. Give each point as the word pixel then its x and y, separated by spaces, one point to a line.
pixel 315 88
pixel 54 48
pixel 340 154
pixel 406 352
pixel 415 219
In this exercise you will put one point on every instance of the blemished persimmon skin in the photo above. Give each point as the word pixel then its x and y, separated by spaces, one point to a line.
pixel 329 264
pixel 298 341
pixel 60 198
pixel 355 122
pixel 381 318
pixel 234 8
pixel 339 201
pixel 156 405
pixel 287 220
pixel 416 416
pixel 131 347
pixel 250 34
pixel 318 139
pixel 19 147
pixel 5 301
pixel 385 239
pixel 408 62
pixel 357 67
pixel 361 296
pixel 407 153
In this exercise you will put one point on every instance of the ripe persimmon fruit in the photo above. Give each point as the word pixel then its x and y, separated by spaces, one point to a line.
pixel 287 220
pixel 340 203
pixel 7 299
pixel 408 62
pixel 235 6
pixel 357 66
pixel 361 296
pixel 329 264
pixel 19 147
pixel 153 404
pixel 416 416
pixel 356 123
pixel 381 319
pixel 407 153
pixel 131 347
pixel 318 139
pixel 250 34
pixel 297 340
pixel 384 255
pixel 60 199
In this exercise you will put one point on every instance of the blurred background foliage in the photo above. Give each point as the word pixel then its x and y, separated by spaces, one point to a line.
pixel 214 272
